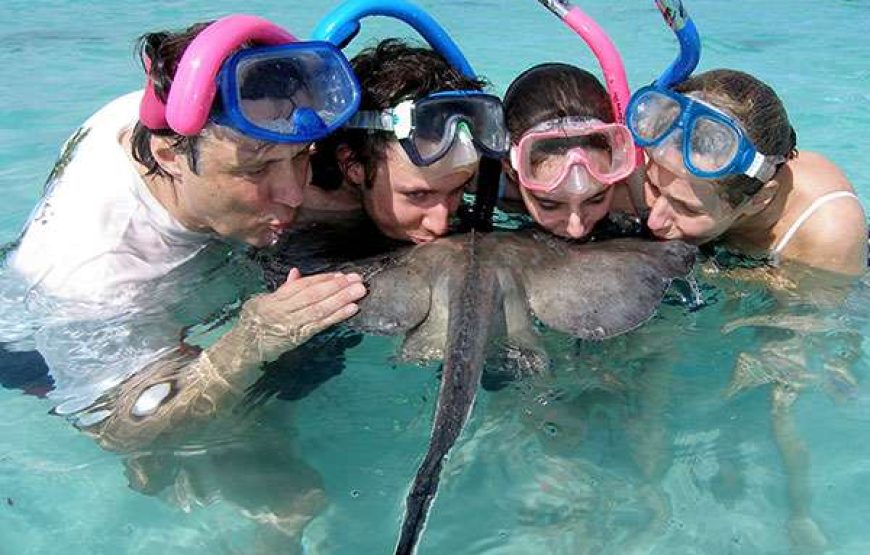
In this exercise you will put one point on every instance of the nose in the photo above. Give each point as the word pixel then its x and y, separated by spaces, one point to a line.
pixel 660 216
pixel 436 219
pixel 287 191
pixel 576 228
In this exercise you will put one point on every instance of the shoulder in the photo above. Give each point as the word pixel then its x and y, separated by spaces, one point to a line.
pixel 812 171
pixel 834 236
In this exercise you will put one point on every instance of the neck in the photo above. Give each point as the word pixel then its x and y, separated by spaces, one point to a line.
pixel 756 226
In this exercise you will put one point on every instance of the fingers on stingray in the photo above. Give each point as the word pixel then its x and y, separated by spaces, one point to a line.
pixel 599 290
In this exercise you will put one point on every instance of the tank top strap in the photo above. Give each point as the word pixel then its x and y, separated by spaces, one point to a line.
pixel 816 204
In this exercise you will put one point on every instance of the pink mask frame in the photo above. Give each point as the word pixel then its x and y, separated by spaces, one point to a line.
pixel 605 52
pixel 618 137
pixel 194 85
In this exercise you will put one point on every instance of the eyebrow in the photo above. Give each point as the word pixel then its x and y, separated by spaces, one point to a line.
pixel 687 204
pixel 423 188
pixel 252 154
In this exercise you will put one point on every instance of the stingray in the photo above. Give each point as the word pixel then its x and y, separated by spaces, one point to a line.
pixel 466 298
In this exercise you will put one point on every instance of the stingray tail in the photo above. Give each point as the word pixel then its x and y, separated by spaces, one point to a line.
pixel 471 315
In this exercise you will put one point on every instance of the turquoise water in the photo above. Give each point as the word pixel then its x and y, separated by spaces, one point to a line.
pixel 557 466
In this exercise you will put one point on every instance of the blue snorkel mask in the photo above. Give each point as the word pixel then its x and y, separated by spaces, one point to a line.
pixel 342 24
pixel 683 133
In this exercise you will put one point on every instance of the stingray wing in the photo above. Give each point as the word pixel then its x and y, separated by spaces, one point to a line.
pixel 599 290
pixel 397 301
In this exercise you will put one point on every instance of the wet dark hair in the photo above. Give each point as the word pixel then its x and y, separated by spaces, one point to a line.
pixel 390 72
pixel 760 112
pixel 553 91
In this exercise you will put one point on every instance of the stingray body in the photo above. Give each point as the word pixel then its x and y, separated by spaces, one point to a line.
pixel 464 297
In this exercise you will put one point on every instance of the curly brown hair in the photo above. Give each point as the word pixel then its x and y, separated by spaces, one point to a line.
pixel 390 72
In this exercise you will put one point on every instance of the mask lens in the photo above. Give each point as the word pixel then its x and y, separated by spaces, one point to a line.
pixel 669 154
pixel 713 145
pixel 439 116
pixel 298 93
pixel 653 115
pixel 549 158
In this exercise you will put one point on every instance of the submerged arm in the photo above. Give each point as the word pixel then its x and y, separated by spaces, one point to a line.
pixel 182 390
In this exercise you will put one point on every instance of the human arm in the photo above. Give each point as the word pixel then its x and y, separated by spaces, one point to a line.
pixel 181 390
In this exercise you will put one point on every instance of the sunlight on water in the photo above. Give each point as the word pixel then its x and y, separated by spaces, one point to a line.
pixel 661 441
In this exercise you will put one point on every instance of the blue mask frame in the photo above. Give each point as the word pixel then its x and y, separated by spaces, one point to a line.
pixel 746 161
pixel 307 124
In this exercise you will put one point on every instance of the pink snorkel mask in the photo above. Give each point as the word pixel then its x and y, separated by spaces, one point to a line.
pixel 605 52
pixel 573 153
pixel 286 91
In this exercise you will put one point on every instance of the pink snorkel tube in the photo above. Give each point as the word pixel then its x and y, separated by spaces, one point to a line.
pixel 194 85
pixel 605 52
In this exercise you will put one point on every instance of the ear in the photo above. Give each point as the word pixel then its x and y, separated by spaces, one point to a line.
pixel 168 159
pixel 353 171
pixel 764 195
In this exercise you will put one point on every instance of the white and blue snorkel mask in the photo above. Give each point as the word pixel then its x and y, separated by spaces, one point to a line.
pixel 684 133
pixel 476 113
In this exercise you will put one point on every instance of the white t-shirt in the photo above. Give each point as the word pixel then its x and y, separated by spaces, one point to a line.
pixel 104 279
pixel 99 233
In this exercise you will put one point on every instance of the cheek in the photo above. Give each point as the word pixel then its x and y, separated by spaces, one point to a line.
pixel 596 212
pixel 550 218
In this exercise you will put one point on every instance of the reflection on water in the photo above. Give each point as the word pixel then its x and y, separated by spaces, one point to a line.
pixel 721 426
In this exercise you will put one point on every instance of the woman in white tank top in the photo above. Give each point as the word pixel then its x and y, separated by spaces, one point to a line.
pixel 723 166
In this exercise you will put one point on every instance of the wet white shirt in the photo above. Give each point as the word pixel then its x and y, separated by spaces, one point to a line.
pixel 104 279
pixel 99 234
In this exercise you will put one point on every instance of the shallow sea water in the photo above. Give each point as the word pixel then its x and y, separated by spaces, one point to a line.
pixel 567 464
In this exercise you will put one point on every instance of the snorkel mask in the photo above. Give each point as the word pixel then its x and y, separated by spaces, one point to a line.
pixel 577 135
pixel 342 24
pixel 683 133
pixel 573 153
pixel 285 91
pixel 427 127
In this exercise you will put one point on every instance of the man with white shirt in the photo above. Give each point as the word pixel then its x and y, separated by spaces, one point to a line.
pixel 215 150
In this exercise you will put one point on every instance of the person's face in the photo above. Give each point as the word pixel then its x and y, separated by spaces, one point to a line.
pixel 413 203
pixel 568 214
pixel 569 210
pixel 243 189
pixel 685 207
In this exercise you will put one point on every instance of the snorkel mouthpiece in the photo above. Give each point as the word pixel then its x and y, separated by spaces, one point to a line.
pixel 556 6
pixel 681 24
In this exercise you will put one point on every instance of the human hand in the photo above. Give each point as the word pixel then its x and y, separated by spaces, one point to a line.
pixel 300 308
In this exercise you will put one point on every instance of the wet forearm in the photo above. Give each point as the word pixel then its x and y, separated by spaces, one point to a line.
pixel 181 392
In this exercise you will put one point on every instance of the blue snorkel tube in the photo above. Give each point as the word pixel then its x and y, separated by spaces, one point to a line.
pixel 341 26
pixel 681 24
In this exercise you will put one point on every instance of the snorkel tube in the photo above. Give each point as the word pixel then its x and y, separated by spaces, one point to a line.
pixel 681 24
pixel 342 24
pixel 605 52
